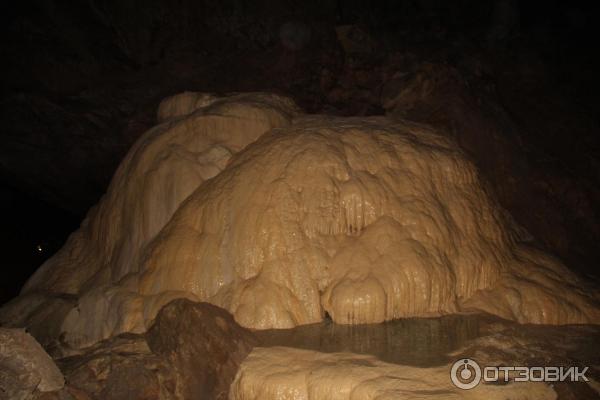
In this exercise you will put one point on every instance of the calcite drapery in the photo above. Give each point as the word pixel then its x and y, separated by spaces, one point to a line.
pixel 280 217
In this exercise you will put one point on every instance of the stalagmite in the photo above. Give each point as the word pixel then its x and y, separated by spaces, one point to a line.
pixel 280 217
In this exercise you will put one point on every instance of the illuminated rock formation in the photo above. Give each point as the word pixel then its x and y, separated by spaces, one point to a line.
pixel 361 218
pixel 183 104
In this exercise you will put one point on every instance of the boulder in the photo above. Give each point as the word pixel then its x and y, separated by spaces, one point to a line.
pixel 25 367
pixel 203 344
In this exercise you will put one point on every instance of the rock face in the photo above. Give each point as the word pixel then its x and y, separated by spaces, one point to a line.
pixel 268 374
pixel 120 368
pixel 365 219
pixel 25 367
pixel 192 351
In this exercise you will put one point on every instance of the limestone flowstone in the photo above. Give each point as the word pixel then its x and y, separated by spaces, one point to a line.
pixel 281 217
pixel 267 374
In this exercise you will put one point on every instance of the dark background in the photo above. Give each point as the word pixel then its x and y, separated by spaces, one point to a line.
pixel 81 80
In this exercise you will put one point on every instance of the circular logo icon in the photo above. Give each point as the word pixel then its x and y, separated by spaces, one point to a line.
pixel 465 374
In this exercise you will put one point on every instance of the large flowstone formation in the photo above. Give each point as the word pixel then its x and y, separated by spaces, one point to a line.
pixel 281 218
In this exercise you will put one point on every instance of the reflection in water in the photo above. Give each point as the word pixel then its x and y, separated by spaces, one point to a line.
pixel 422 342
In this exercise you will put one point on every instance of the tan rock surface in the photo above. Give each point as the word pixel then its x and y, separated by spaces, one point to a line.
pixel 161 170
pixel 361 218
pixel 25 367
pixel 268 374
